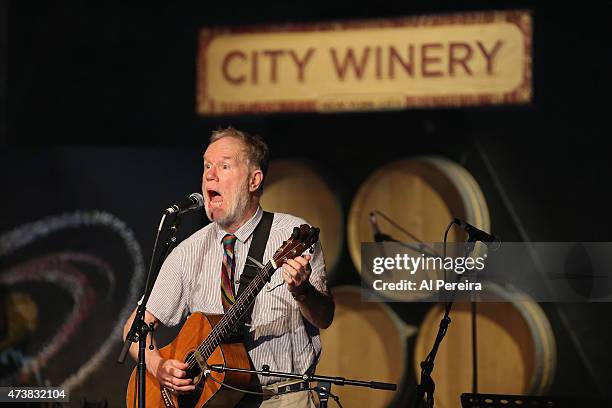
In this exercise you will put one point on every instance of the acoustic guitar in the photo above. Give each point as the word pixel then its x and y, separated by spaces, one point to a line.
pixel 204 340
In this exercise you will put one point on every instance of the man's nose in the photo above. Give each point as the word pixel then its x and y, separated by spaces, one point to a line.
pixel 210 174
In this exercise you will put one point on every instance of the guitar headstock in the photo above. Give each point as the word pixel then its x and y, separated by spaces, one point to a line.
pixel 303 237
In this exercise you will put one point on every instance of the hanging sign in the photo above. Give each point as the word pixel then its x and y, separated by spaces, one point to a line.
pixel 463 59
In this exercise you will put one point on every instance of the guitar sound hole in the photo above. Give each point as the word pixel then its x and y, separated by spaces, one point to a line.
pixel 194 372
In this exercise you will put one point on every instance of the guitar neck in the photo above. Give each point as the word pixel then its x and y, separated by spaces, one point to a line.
pixel 238 309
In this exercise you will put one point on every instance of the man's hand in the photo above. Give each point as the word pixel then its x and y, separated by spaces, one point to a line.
pixel 171 374
pixel 315 306
pixel 296 272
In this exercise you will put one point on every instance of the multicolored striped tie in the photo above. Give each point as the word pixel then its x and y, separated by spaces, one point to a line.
pixel 227 272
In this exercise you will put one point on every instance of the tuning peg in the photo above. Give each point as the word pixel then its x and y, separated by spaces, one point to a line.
pixel 296 233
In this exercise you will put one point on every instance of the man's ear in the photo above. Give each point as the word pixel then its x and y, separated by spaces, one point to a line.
pixel 255 180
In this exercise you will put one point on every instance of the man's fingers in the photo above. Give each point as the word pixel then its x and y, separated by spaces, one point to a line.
pixel 179 364
pixel 297 268
pixel 180 382
pixel 175 369
pixel 300 264
pixel 290 271
pixel 176 380
pixel 302 260
pixel 287 277
pixel 307 266
pixel 295 276
pixel 178 373
pixel 185 389
pixel 172 375
pixel 294 264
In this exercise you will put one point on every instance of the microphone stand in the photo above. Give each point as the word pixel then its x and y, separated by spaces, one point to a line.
pixel 140 329
pixel 427 385
pixel 325 382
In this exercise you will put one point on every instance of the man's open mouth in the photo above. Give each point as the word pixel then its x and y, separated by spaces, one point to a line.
pixel 214 196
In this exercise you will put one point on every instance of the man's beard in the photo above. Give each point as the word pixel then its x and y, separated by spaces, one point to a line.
pixel 234 213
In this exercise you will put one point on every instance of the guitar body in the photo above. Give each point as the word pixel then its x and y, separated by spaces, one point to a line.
pixel 208 392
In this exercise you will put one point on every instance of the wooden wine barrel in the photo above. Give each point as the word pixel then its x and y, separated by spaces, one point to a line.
pixel 295 187
pixel 516 350
pixel 366 341
pixel 421 195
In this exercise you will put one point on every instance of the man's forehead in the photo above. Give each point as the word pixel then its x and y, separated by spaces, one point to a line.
pixel 225 149
pixel 212 156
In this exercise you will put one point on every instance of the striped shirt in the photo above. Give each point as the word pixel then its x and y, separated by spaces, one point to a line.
pixel 190 281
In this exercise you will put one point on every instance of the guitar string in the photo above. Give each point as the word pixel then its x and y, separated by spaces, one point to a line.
pixel 206 347
pixel 234 313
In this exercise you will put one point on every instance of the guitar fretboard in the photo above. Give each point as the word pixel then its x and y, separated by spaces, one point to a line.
pixel 235 313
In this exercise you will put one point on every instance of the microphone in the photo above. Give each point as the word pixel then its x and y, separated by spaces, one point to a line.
pixel 379 236
pixel 476 234
pixel 195 201
pixel 219 368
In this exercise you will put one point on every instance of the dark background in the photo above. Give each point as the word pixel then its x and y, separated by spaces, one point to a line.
pixel 98 111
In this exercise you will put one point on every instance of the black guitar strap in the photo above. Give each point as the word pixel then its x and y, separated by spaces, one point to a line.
pixel 255 256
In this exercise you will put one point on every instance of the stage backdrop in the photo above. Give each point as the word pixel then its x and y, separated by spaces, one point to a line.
pixel 75 247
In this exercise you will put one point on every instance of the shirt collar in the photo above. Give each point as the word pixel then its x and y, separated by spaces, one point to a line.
pixel 246 230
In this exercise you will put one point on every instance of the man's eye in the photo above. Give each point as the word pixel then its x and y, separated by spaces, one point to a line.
pixel 226 166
